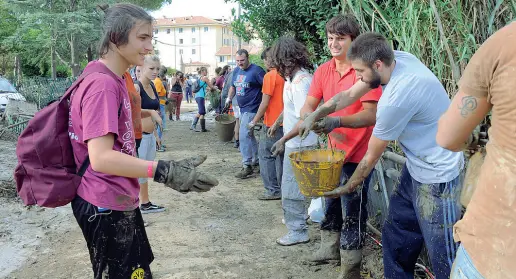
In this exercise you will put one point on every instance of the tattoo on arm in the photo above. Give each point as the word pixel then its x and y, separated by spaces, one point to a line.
pixel 469 104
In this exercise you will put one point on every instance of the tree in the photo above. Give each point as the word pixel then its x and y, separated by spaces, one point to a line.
pixel 67 30
pixel 302 19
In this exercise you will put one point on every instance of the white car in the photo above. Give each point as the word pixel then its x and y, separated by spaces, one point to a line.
pixel 8 92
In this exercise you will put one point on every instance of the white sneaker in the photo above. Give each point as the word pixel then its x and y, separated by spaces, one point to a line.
pixel 293 238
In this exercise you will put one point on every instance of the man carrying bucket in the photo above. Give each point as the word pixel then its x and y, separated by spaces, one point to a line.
pixel 291 60
pixel 425 204
pixel 349 130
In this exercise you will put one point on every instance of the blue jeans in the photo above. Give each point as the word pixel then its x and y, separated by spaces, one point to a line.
pixel 248 142
pixel 163 115
pixel 292 201
pixel 463 267
pixel 271 167
pixel 348 214
pixel 420 214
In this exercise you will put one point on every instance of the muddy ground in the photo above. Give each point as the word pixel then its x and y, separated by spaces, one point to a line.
pixel 225 233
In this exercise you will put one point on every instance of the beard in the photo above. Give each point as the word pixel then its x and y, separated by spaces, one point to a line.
pixel 376 80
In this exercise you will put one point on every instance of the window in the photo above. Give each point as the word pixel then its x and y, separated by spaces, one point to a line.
pixel 193 29
pixel 168 31
pixel 193 51
pixel 193 40
pixel 155 31
pixel 180 41
pixel 180 51
pixel 206 29
pixel 221 59
pixel 223 30
pixel 180 30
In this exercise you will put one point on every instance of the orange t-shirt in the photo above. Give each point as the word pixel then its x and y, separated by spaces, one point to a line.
pixel 273 86
pixel 136 105
pixel 488 229
pixel 162 92
pixel 327 83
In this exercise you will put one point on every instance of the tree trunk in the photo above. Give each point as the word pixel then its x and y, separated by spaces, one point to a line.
pixel 90 54
pixel 53 62
pixel 74 63
pixel 4 66
pixel 17 69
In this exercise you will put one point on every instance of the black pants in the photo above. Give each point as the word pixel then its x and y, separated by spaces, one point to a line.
pixel 116 240
pixel 138 142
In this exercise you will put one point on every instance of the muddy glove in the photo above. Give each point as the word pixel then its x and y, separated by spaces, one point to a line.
pixel 278 148
pixel 182 175
pixel 306 126
pixel 226 105
pixel 326 125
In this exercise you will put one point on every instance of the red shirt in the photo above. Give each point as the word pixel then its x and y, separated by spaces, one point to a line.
pixel 326 83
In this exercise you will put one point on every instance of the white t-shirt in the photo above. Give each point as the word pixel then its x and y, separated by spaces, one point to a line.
pixel 294 96
pixel 411 105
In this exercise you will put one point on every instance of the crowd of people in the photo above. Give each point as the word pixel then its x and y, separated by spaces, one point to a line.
pixel 371 95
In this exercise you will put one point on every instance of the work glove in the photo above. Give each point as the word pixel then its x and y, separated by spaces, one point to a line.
pixel 252 127
pixel 183 177
pixel 226 105
pixel 278 148
pixel 306 125
pixel 326 125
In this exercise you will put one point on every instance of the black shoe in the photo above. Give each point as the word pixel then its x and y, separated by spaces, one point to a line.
pixel 151 208
pixel 237 144
pixel 256 168
pixel 170 117
pixel 269 197
pixel 245 172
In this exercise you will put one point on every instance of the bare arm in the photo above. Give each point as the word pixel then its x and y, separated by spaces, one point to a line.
pixel 364 118
pixel 231 93
pixel 457 123
pixel 338 102
pixel 374 152
pixel 106 160
pixel 208 82
pixel 310 105
pixel 263 107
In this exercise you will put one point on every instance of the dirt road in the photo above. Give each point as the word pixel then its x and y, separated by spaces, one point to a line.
pixel 225 233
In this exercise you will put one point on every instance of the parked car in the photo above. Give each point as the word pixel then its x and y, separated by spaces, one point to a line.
pixel 8 92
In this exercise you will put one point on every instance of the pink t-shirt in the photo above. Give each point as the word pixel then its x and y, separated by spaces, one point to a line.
pixel 94 113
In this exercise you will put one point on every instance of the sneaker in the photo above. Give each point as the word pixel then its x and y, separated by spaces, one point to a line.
pixel 245 172
pixel 293 238
pixel 266 197
pixel 237 144
pixel 151 208
pixel 160 149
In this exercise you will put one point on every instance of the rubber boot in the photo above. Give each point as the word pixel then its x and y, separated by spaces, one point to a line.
pixel 350 261
pixel 329 249
pixel 194 123
pixel 203 125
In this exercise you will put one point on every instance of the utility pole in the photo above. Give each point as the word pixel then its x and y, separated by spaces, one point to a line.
pixel 239 39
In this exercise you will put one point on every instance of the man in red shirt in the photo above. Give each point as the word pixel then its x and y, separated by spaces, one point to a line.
pixel 349 130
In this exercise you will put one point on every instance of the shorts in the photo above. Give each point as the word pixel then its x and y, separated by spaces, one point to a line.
pixel 138 142
pixel 200 105
pixel 236 111
pixel 147 151
pixel 116 241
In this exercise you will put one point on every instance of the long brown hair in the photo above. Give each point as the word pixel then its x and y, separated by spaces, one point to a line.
pixel 287 54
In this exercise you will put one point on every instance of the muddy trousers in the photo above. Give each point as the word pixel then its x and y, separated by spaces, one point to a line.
pixel 248 142
pixel 348 214
pixel 292 201
pixel 271 167
pixel 116 240
pixel 420 214
pixel 178 98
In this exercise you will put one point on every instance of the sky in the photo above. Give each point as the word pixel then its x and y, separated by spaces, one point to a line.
pixel 207 8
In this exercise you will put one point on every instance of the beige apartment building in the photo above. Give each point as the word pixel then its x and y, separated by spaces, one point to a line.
pixel 186 43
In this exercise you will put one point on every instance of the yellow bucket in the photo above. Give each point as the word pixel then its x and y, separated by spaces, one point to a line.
pixel 317 171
